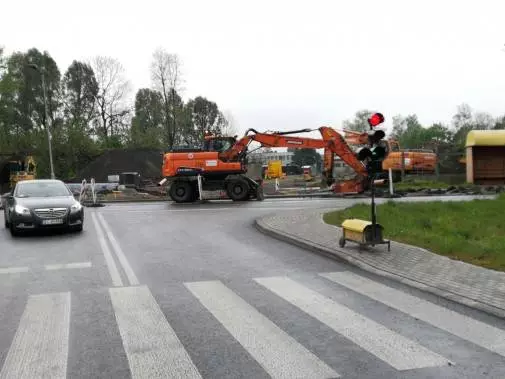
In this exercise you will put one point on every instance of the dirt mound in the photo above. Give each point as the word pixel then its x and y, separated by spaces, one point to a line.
pixel 146 162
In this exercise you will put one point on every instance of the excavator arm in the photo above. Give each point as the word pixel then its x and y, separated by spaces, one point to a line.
pixel 332 142
pixel 239 149
pixel 355 138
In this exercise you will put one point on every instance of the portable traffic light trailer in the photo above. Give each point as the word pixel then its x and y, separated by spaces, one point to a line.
pixel 363 232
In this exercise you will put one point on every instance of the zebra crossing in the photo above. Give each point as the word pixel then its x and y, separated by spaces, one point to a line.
pixel 40 346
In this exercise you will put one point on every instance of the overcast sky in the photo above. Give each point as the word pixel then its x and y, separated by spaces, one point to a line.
pixel 278 65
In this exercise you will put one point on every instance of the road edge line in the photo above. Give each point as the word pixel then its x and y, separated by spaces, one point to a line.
pixel 123 261
pixel 109 260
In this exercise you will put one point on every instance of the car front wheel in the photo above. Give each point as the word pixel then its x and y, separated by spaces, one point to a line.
pixel 14 230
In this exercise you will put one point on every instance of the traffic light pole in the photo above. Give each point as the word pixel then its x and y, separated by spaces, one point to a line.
pixel 374 220
pixel 373 155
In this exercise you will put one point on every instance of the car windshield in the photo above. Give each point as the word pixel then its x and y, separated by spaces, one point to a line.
pixel 42 189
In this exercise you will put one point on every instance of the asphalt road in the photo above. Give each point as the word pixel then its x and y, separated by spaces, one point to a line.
pixel 158 290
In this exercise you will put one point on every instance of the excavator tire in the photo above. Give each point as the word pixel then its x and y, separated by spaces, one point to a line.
pixel 238 189
pixel 182 192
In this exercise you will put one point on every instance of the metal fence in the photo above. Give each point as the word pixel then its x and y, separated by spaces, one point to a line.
pixel 449 167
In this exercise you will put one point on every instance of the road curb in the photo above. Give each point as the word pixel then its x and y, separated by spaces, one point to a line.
pixel 300 196
pixel 341 255
pixel 316 196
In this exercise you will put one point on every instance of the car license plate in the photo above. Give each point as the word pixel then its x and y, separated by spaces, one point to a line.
pixel 55 221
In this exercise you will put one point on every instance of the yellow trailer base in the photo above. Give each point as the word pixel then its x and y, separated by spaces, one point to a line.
pixel 362 232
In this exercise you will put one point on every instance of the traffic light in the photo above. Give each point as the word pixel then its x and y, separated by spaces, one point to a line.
pixel 376 151
pixel 375 119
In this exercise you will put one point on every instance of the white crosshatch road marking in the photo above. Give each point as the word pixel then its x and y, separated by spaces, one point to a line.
pixel 394 349
pixel 277 352
pixel 151 345
pixel 63 266
pixel 13 270
pixel 453 322
pixel 40 346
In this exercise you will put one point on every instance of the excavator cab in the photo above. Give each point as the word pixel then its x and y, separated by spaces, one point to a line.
pixel 218 144
pixel 394 146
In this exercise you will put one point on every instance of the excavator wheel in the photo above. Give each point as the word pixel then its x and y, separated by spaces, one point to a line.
pixel 182 192
pixel 238 189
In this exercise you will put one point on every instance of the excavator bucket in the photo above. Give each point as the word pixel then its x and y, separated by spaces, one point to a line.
pixel 348 186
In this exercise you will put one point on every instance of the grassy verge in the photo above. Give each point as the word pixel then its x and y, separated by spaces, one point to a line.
pixel 470 231
pixel 416 183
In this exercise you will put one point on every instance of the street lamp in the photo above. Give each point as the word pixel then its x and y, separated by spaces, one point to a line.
pixel 46 111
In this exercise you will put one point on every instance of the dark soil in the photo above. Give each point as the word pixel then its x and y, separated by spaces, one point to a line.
pixel 146 162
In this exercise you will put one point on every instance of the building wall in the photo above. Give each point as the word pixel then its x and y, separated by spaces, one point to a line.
pixel 469 164
pixel 286 157
pixel 488 164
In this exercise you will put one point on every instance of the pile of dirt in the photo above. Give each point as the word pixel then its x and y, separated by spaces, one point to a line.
pixel 147 162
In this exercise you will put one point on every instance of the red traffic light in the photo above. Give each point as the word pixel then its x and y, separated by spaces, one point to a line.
pixel 375 119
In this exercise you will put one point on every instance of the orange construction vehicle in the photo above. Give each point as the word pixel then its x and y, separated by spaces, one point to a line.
pixel 413 160
pixel 221 164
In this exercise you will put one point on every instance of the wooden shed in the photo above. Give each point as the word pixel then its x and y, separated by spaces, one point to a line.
pixel 485 157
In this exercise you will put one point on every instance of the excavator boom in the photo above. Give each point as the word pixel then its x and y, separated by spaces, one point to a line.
pixel 332 142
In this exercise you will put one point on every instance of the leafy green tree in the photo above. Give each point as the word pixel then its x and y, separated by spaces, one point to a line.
pixel 310 157
pixel 5 110
pixel 21 99
pixel 80 90
pixel 206 117
pixel 438 133
pixel 408 131
pixel 147 124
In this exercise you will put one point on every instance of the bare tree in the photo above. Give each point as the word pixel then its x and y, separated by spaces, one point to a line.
pixel 483 120
pixel 166 76
pixel 113 88
pixel 229 126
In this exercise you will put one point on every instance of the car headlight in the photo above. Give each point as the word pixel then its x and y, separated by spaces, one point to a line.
pixel 21 210
pixel 76 207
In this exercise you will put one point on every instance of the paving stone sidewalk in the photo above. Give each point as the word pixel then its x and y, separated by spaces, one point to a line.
pixel 464 283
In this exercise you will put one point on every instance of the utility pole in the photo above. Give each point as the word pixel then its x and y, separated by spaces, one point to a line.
pixel 46 113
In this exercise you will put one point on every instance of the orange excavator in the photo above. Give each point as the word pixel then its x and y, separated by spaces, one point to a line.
pixel 221 164
pixel 413 160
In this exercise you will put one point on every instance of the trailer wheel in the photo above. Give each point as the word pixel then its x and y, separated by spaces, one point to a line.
pixel 341 242
pixel 238 190
pixel 182 192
